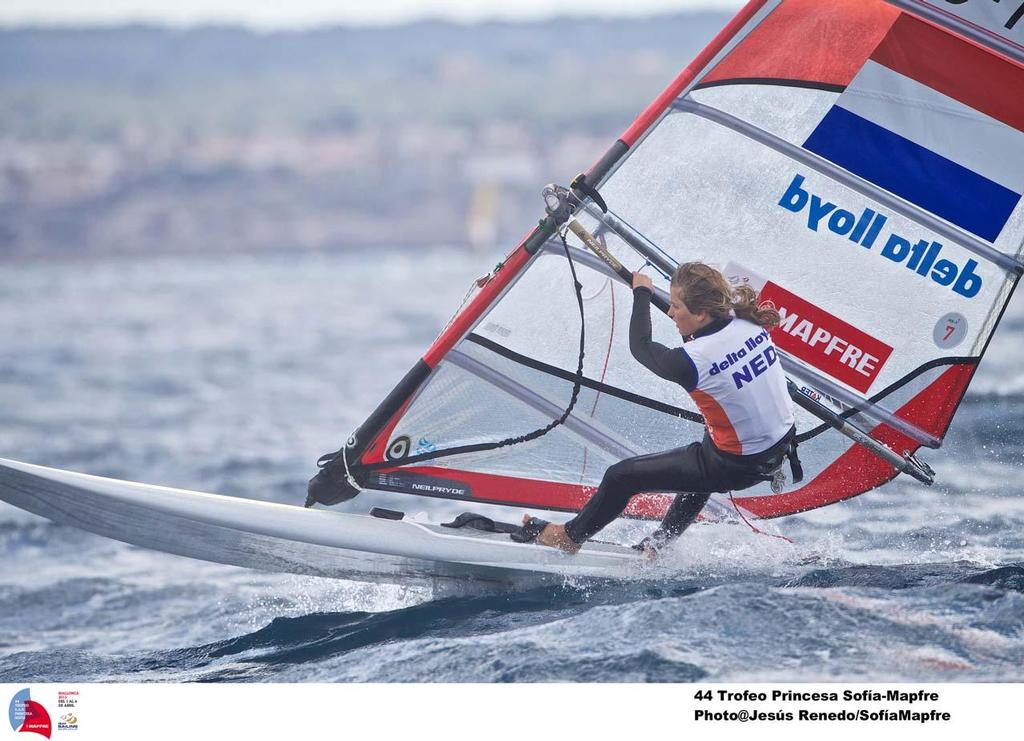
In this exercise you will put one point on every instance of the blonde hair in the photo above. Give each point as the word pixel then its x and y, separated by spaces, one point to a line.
pixel 704 289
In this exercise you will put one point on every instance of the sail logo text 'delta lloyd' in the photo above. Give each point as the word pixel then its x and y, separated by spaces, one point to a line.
pixel 860 157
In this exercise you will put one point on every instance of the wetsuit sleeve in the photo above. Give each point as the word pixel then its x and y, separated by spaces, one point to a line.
pixel 671 364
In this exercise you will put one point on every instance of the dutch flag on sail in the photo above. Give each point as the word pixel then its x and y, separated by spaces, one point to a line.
pixel 936 121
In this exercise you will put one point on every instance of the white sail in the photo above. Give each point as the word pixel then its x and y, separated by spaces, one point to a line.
pixel 855 161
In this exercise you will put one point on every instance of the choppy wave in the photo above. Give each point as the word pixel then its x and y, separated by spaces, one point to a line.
pixel 931 622
pixel 234 374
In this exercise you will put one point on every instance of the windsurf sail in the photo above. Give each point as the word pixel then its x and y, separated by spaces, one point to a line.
pixel 855 161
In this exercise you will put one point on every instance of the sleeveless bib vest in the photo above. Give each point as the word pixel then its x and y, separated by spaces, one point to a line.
pixel 741 389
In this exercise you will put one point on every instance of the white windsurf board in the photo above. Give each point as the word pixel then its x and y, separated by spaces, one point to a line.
pixel 285 538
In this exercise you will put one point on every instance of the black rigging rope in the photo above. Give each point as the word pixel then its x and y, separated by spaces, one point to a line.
pixel 339 457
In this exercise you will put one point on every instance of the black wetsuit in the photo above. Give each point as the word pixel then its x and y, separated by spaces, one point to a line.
pixel 696 470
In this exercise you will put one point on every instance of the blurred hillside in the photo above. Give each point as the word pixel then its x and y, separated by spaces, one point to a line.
pixel 142 139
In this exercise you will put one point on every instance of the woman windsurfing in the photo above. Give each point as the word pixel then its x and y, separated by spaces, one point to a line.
pixel 731 370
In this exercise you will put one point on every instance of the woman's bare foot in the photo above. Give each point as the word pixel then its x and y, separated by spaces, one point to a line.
pixel 555 536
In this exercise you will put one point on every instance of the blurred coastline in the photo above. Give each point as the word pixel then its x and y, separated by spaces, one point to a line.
pixel 142 140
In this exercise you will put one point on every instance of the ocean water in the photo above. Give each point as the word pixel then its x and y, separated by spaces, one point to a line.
pixel 232 374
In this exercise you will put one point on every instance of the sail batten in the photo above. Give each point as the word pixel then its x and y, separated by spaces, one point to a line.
pixel 586 430
pixel 852 181
pixel 586 381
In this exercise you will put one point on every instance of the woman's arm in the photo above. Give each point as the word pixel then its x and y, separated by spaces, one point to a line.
pixel 668 363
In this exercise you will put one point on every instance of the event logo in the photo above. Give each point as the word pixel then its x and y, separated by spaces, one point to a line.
pixel 28 716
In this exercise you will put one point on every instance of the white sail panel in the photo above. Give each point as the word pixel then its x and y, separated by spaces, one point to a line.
pixel 789 113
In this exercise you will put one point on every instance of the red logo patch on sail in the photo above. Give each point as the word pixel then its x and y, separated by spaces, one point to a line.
pixel 825 341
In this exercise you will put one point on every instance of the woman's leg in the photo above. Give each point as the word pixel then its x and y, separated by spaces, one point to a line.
pixel 682 512
pixel 672 470
pixel 719 475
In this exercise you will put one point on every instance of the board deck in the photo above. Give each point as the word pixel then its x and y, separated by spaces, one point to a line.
pixel 285 538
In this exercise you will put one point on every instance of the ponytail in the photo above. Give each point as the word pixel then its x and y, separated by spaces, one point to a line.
pixel 745 305
pixel 704 289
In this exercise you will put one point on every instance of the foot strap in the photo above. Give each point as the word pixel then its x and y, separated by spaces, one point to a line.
pixel 478 522
pixel 528 533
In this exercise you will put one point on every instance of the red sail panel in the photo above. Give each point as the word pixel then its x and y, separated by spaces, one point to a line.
pixel 809 41
pixel 858 470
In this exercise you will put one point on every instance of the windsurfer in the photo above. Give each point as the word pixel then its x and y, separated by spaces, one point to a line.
pixel 731 369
